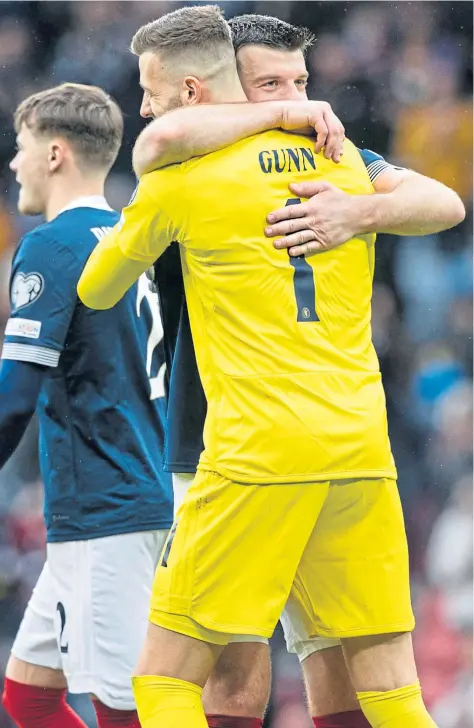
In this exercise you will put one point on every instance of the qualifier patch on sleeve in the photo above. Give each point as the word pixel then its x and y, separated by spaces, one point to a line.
pixel 23 327
pixel 26 289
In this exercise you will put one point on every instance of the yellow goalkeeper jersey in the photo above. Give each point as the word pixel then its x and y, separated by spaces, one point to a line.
pixel 283 345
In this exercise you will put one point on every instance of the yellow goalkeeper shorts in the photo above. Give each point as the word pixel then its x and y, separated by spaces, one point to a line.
pixel 238 552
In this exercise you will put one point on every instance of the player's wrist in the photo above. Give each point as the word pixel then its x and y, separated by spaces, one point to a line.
pixel 271 114
pixel 369 213
pixel 294 115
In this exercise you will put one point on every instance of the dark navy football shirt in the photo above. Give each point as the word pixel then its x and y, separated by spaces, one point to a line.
pixel 101 409
pixel 187 405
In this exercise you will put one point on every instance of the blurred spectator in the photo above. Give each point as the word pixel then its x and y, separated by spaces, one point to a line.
pixel 444 639
pixel 6 232
pixel 449 557
pixel 450 448
pixel 433 131
pixel 96 47
pixel 25 526
pixel 17 78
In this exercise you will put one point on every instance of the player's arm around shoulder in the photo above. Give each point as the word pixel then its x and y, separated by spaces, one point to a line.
pixel 197 130
pixel 409 203
pixel 404 203
pixel 143 233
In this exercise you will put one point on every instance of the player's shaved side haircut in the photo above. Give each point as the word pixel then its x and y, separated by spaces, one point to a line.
pixel 85 116
pixel 271 32
pixel 200 34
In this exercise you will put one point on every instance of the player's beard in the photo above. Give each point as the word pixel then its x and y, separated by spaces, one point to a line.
pixel 174 103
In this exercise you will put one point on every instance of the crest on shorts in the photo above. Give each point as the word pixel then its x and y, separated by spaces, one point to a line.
pixel 26 289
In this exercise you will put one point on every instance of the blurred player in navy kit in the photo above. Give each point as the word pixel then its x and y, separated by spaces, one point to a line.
pixel 96 382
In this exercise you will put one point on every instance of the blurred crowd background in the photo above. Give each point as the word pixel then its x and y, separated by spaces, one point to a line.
pixel 399 75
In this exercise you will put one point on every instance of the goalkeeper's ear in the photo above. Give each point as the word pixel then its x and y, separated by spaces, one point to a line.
pixel 192 91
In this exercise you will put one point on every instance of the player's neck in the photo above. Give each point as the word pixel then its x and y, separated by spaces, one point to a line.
pixel 65 192
pixel 228 91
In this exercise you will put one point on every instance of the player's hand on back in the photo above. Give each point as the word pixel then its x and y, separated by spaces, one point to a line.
pixel 330 217
pixel 316 117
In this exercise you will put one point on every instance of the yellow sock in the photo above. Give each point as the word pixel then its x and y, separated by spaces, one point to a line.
pixel 402 708
pixel 165 702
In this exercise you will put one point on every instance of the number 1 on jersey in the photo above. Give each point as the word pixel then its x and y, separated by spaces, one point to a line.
pixel 303 281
